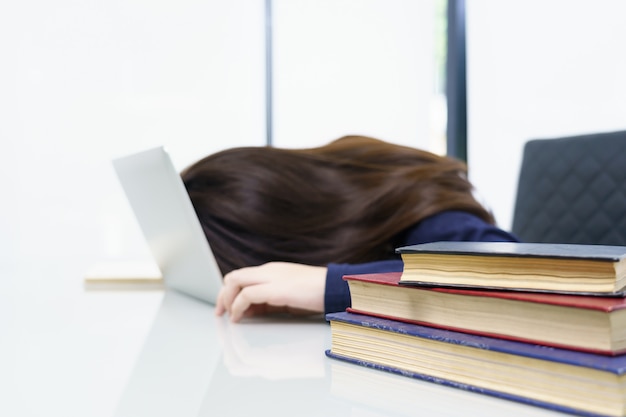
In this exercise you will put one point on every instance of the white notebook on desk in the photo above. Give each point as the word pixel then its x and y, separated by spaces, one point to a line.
pixel 124 275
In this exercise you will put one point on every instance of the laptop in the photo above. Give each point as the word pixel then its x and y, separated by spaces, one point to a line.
pixel 169 223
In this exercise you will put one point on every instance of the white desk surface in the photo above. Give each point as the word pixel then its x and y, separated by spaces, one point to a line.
pixel 65 351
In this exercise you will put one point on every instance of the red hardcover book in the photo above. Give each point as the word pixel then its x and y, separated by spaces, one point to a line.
pixel 579 322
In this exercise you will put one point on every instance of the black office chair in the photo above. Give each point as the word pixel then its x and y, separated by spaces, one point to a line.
pixel 573 190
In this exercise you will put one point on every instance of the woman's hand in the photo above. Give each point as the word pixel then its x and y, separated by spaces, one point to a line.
pixel 274 287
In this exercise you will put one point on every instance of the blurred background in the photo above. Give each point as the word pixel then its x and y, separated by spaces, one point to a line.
pixel 82 82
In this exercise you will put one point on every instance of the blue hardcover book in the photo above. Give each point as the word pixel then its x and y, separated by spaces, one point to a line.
pixel 559 379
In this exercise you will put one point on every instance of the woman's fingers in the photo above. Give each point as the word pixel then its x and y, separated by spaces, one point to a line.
pixel 272 287
pixel 220 308
pixel 233 283
pixel 247 297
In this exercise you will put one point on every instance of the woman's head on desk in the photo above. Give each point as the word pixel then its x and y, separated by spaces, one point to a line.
pixel 348 201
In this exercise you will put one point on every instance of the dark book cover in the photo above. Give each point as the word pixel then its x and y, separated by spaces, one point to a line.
pixel 608 261
pixel 518 249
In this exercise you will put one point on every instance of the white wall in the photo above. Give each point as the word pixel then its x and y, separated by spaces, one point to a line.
pixel 539 69
pixel 83 82
pixel 354 67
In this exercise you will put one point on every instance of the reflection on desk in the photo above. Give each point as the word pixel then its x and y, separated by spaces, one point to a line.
pixel 196 364
pixel 176 362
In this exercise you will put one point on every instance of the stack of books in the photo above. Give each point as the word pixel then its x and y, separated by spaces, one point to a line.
pixel 543 324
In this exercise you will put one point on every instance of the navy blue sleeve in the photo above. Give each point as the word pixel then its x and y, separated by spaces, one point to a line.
pixel 445 226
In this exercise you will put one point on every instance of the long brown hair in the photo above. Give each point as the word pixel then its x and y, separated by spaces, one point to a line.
pixel 348 201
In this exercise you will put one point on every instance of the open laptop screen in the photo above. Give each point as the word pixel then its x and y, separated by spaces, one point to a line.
pixel 169 223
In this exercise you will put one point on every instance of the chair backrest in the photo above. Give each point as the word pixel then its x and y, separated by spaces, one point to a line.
pixel 573 190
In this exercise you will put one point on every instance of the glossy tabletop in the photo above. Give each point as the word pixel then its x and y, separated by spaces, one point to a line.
pixel 67 351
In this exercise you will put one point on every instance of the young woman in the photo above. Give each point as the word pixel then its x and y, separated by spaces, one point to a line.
pixel 286 224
